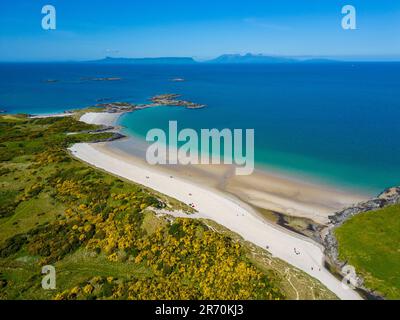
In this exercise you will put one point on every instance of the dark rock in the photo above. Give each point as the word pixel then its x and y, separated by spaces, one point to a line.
pixel 388 197
pixel 102 129
pixel 115 136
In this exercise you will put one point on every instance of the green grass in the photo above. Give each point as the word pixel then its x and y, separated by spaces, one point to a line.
pixel 151 223
pixel 30 214
pixel 371 243
pixel 24 275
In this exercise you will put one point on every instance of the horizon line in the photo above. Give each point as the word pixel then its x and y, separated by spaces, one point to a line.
pixel 303 57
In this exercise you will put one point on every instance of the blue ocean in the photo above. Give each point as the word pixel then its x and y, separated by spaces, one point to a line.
pixel 338 123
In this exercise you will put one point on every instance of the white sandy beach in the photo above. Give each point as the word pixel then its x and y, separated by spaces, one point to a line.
pixel 104 118
pixel 218 206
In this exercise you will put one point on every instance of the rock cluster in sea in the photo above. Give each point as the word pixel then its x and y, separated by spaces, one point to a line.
pixel 101 79
pixel 170 99
pixel 117 107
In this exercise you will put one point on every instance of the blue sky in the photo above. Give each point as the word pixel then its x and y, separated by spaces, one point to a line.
pixel 91 29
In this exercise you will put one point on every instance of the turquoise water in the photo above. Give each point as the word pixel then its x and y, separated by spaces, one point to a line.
pixel 338 123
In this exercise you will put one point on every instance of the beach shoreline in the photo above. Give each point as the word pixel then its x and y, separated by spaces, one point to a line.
pixel 269 190
pixel 214 204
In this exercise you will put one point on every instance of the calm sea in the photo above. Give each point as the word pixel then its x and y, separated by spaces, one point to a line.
pixel 337 122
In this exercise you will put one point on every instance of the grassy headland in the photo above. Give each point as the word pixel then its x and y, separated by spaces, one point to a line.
pixel 370 242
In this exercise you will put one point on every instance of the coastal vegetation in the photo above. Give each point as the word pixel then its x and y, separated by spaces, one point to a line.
pixel 112 239
pixel 370 242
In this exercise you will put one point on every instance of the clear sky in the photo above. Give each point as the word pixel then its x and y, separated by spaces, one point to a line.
pixel 92 29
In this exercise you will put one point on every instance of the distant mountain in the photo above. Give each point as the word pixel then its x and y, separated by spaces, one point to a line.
pixel 223 59
pixel 161 60
pixel 250 58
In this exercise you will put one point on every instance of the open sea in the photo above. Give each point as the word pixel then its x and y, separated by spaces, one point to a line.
pixel 338 123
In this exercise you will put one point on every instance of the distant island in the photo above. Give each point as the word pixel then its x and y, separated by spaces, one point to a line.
pixel 248 58
pixel 251 58
pixel 50 80
pixel 161 60
pixel 106 79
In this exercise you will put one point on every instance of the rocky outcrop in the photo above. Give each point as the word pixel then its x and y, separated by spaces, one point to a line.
pixel 117 107
pixel 170 99
pixel 103 128
pixel 115 136
pixel 388 197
